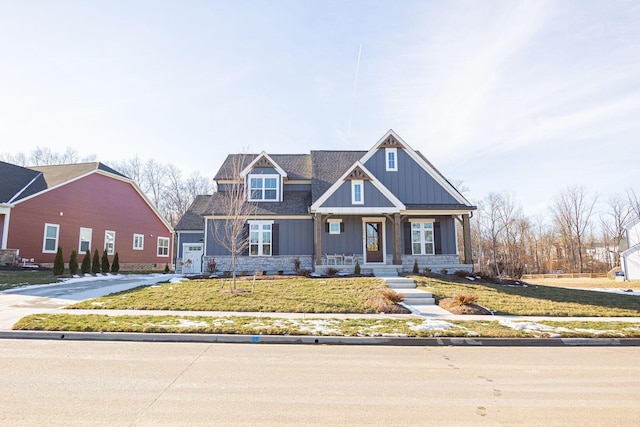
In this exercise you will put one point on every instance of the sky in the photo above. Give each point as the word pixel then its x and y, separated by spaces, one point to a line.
pixel 525 97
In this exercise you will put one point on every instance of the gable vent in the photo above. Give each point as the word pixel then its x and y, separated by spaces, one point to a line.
pixel 263 162
pixel 358 173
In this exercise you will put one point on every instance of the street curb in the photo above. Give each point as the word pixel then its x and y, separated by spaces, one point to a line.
pixel 324 340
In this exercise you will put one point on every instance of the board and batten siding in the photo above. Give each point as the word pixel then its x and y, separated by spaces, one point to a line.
pixel 447 235
pixel 295 237
pixel 373 198
pixel 97 202
pixel 410 183
pixel 188 237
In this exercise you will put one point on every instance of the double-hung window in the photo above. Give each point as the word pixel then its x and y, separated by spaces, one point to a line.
pixel 85 240
pixel 263 188
pixel 260 233
pixel 110 242
pixel 163 246
pixel 357 192
pixel 51 233
pixel 422 238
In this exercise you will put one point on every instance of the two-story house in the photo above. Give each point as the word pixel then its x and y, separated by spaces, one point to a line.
pixel 385 208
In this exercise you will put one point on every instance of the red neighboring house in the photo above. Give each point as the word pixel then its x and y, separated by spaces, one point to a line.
pixel 80 206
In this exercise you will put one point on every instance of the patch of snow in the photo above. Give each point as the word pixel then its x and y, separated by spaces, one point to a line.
pixel 526 326
pixel 471 278
pixel 432 325
pixel 617 291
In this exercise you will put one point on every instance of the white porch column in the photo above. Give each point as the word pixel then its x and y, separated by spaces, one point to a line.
pixel 5 226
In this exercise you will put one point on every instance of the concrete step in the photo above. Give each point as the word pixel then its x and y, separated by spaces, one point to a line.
pixel 419 301
pixel 401 285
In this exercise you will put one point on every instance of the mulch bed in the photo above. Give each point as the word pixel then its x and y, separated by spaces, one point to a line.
pixel 451 306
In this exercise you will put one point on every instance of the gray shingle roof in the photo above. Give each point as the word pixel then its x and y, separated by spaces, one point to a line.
pixel 294 203
pixel 193 219
pixel 328 166
pixel 297 166
pixel 14 179
pixel 58 174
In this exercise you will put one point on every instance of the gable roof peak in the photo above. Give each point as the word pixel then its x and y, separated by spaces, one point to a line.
pixel 263 160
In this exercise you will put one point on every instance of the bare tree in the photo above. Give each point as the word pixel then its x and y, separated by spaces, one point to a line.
pixel 634 202
pixel 617 214
pixel 490 212
pixel 572 211
pixel 229 231
pixel 16 159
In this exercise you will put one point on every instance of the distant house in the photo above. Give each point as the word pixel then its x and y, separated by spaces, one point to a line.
pixel 630 258
pixel 79 206
pixel 385 208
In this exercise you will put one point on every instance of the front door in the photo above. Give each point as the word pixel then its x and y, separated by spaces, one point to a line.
pixel 192 257
pixel 373 244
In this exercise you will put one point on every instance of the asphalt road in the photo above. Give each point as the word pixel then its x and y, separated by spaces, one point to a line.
pixel 154 384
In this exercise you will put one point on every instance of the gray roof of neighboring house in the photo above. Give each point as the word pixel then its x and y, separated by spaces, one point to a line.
pixel 328 166
pixel 14 179
pixel 193 219
pixel 19 182
pixel 297 166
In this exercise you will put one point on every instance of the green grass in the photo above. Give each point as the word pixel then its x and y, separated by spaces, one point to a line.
pixel 247 325
pixel 537 300
pixel 293 295
pixel 16 279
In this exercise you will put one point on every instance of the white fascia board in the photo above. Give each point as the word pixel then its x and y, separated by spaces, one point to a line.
pixel 249 168
pixel 356 211
pixel 376 183
pixel 630 223
pixel 436 212
pixel 419 160
pixel 46 190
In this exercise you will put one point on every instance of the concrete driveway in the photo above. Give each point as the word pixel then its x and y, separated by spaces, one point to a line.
pixel 17 303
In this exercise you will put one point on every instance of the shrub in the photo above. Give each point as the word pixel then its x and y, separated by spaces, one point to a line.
pixel 332 271
pixel 105 267
pixel 115 267
pixel 443 271
pixel 166 268
pixel 58 263
pixel 73 263
pixel 416 269
pixel 212 265
pixel 95 264
pixel 426 271
pixel 391 295
pixel 356 269
pixel 296 264
pixel 304 272
pixel 85 268
pixel 465 299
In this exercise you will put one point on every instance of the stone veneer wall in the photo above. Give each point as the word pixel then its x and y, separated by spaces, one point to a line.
pixel 8 256
pixel 450 263
pixel 263 263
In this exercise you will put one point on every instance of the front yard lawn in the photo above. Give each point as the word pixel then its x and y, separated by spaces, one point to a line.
pixel 247 325
pixel 535 300
pixel 10 279
pixel 290 295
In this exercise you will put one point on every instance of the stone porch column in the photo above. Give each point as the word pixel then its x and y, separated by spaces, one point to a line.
pixel 317 224
pixel 466 236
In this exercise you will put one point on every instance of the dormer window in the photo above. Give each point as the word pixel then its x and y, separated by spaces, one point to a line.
pixel 264 188
pixel 391 155
pixel 357 192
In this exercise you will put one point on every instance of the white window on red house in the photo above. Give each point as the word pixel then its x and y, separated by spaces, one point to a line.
pixel 85 240
pixel 110 242
pixel 50 241
pixel 138 242
pixel 163 246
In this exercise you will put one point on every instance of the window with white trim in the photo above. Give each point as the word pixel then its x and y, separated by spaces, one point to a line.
pixel 357 192
pixel 84 244
pixel 138 242
pixel 391 156
pixel 50 241
pixel 163 246
pixel 264 188
pixel 260 233
pixel 110 242
pixel 422 238
pixel 334 226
